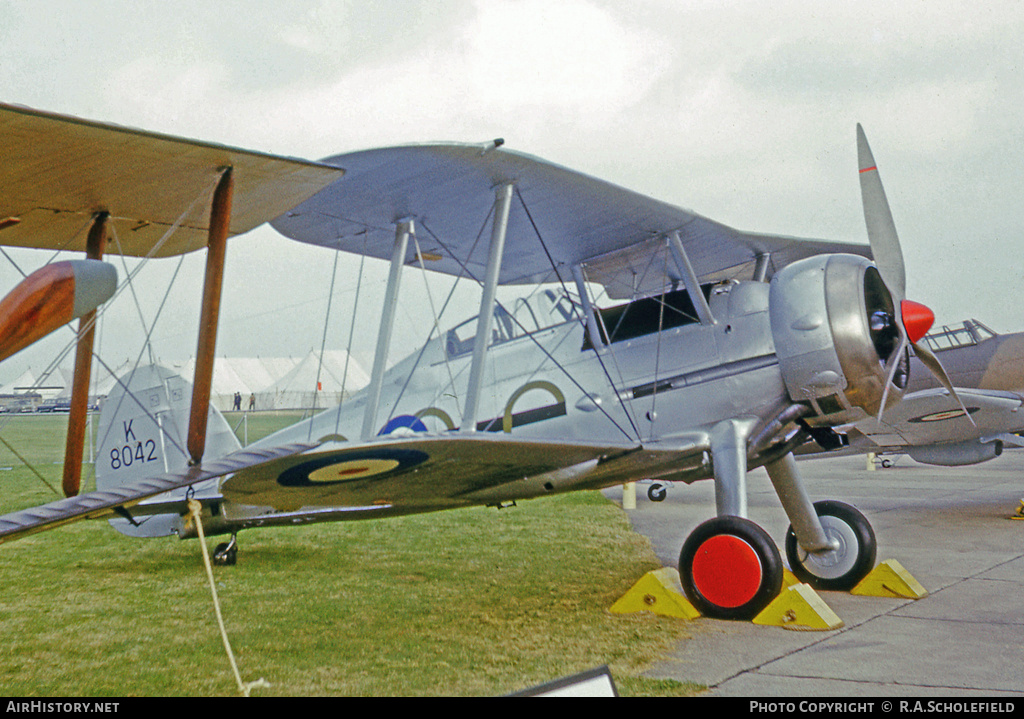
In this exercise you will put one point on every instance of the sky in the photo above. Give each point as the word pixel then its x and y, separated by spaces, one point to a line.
pixel 744 112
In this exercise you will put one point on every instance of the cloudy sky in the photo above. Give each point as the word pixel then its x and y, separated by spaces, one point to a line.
pixel 741 111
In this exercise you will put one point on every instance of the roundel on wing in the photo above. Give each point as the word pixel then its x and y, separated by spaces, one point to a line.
pixel 350 466
pixel 403 421
pixel 944 415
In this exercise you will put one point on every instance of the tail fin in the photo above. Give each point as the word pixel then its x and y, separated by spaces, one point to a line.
pixel 142 433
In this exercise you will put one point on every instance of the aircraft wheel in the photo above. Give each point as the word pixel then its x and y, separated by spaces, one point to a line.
pixel 226 554
pixel 730 568
pixel 843 568
pixel 657 492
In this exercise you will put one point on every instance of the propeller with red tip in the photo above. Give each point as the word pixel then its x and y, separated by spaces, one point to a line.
pixel 912 320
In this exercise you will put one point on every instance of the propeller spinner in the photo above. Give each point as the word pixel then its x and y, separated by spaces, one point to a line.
pixel 909 320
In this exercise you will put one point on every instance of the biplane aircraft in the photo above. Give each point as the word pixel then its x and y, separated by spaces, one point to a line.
pixel 656 344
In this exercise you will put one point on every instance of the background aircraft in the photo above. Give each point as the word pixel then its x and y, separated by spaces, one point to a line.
pixel 725 350
pixel 988 371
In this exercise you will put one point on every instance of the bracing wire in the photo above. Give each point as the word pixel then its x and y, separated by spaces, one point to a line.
pixel 351 338
pixel 323 340
pixel 88 323
pixel 583 322
pixel 536 342
pixel 438 315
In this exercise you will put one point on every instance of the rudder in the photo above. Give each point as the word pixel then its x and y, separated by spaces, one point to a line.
pixel 142 433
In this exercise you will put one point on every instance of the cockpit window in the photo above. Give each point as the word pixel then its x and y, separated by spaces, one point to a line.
pixel 971 332
pixel 646 316
pixel 528 315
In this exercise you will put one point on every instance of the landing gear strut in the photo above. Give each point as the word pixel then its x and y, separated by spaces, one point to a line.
pixel 731 569
pixel 853 557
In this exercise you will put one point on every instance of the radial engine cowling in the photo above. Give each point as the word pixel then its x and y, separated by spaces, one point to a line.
pixel 834 326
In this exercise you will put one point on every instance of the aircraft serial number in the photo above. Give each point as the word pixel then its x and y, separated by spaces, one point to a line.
pixel 127 455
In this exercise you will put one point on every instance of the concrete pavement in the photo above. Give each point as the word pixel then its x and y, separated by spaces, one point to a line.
pixel 950 529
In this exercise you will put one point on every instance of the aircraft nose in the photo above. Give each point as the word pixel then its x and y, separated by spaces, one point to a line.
pixel 917 319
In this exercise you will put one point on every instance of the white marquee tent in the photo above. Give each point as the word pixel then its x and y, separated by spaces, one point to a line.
pixel 273 382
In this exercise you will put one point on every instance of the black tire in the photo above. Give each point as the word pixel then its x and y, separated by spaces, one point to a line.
pixel 841 570
pixel 657 492
pixel 225 555
pixel 730 568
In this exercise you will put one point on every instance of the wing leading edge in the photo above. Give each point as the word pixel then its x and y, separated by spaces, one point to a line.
pixel 561 217
pixel 57 171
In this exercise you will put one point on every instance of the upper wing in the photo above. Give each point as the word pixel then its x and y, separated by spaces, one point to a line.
pixel 57 171
pixel 561 218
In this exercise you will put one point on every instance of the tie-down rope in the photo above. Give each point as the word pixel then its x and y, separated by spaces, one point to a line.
pixel 195 507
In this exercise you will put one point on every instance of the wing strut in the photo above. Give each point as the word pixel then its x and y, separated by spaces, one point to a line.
pixel 216 248
pixel 700 302
pixel 761 266
pixel 502 203
pixel 387 321
pixel 78 412
pixel 591 318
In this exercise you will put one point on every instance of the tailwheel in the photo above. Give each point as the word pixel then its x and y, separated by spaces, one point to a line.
pixel 840 569
pixel 730 568
pixel 226 553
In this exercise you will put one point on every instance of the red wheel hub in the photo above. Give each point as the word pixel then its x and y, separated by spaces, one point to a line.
pixel 727 571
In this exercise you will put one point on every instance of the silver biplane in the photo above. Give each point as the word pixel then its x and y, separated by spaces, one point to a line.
pixel 658 345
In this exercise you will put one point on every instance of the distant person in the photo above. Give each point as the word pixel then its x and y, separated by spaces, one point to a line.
pixel 252 402
pixel 238 400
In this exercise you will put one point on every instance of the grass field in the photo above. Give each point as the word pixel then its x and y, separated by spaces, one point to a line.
pixel 468 602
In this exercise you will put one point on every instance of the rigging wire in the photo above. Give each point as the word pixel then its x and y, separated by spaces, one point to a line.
pixel 451 293
pixel 131 286
pixel 437 319
pixel 583 322
pixel 541 347
pixel 138 359
pixel 204 193
pixel 351 336
pixel 323 340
